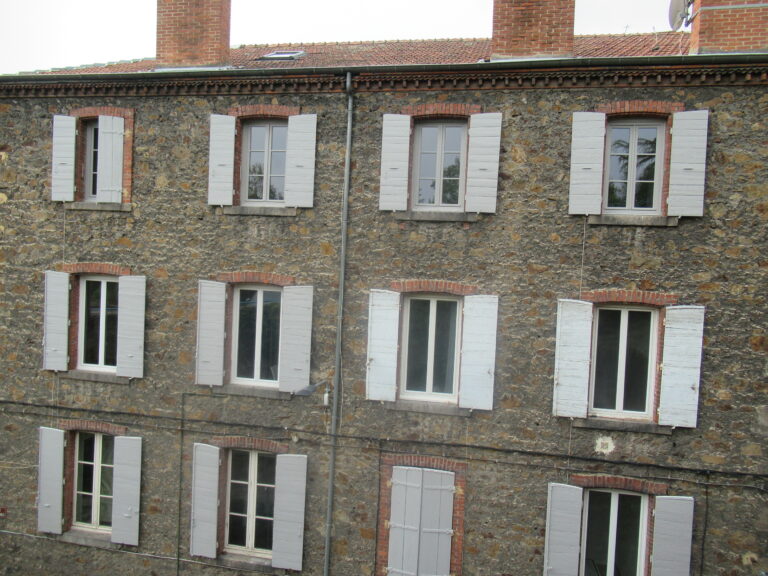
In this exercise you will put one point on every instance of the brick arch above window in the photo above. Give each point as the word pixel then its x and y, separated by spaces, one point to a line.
pixel 619 483
pixel 641 108
pixel 248 443
pixel 255 277
pixel 644 297
pixel 437 286
pixel 94 268
pixel 264 111
pixel 441 110
pixel 93 426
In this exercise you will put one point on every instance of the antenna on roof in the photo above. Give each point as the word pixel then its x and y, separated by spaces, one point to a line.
pixel 678 13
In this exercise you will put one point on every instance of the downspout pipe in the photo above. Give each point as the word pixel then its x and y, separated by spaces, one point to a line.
pixel 336 396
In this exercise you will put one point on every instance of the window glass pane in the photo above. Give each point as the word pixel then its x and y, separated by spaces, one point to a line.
pixel 270 335
pixel 107 449
pixel 450 192
pixel 258 138
pixel 256 176
pixel 279 137
pixel 453 138
pixel 427 191
pixel 277 188
pixel 644 195
pixel 106 481
pixel 429 138
pixel 418 345
pixel 92 317
pixel 646 168
pixel 246 333
pixel 445 347
pixel 85 478
pixel 86 446
pixel 636 369
pixel 262 537
pixel 627 535
pixel 83 508
pixel 265 501
pixel 598 527
pixel 239 465
pixel 619 168
pixel 607 358
pixel 617 194
pixel 451 165
pixel 266 473
pixel 428 166
pixel 277 165
pixel 238 498
pixel 620 140
pixel 105 512
pixel 110 336
pixel 646 140
pixel 237 527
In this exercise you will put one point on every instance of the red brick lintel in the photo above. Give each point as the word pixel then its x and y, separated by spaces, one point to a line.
pixel 93 426
pixel 619 483
pixel 264 111
pixel 94 268
pixel 437 286
pixel 641 108
pixel 247 443
pixel 630 297
pixel 441 110
pixel 253 277
pixel 419 461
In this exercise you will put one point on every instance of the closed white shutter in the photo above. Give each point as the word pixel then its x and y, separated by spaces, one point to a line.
pixel 587 152
pixel 672 534
pixel 109 177
pixel 478 352
pixel 383 337
pixel 681 366
pixel 127 490
pixel 295 338
pixel 688 163
pixel 572 358
pixel 436 528
pixel 483 162
pixel 130 326
pixel 211 302
pixel 395 159
pixel 404 521
pixel 562 541
pixel 221 160
pixel 205 500
pixel 300 161
pixel 56 321
pixel 63 159
pixel 50 480
pixel 290 494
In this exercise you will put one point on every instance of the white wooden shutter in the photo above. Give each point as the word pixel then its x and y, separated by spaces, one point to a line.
pixel 221 160
pixel 587 152
pixel 300 161
pixel 383 338
pixel 562 541
pixel 436 529
pixel 205 500
pixel 688 163
pixel 109 177
pixel 295 337
pixel 478 352
pixel 50 480
pixel 130 326
pixel 211 301
pixel 572 358
pixel 126 490
pixel 290 494
pixel 672 534
pixel 56 321
pixel 63 159
pixel 404 521
pixel 483 162
pixel 395 160
pixel 681 366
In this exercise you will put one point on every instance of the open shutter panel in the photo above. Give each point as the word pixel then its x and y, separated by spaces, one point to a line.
pixel 300 161
pixel 478 352
pixel 50 480
pixel 63 159
pixel 127 489
pixel 681 366
pixel 395 156
pixel 483 162
pixel 587 151
pixel 290 494
pixel 221 160
pixel 130 326
pixel 404 521
pixel 561 544
pixel 672 534
pixel 436 522
pixel 211 301
pixel 109 180
pixel 688 163
pixel 205 500
pixel 295 338
pixel 572 358
pixel 383 327
pixel 56 321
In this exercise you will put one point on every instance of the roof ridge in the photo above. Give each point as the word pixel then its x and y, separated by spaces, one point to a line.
pixel 349 42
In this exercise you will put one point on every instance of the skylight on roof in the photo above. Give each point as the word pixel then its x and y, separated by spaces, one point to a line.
pixel 283 55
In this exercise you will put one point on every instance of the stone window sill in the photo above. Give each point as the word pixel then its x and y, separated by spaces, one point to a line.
pixel 254 391
pixel 91 538
pixel 258 211
pixel 102 377
pixel 435 216
pixel 245 562
pixel 99 206
pixel 622 426
pixel 423 406
pixel 632 220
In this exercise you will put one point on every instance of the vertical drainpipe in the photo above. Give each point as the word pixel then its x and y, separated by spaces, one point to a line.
pixel 339 323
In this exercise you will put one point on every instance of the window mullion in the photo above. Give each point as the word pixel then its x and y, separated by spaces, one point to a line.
pixel 612 534
pixel 250 531
pixel 257 340
pixel 96 498
pixel 632 167
pixel 439 162
pixel 102 321
pixel 431 344
pixel 622 363
pixel 267 161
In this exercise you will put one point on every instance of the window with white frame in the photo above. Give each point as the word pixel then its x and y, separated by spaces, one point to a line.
pixel 94 474
pixel 439 165
pixel 91 165
pixel 263 150
pixel 444 345
pixel 98 323
pixel 256 335
pixel 251 502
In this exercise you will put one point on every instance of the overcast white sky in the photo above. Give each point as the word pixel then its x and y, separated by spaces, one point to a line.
pixel 44 34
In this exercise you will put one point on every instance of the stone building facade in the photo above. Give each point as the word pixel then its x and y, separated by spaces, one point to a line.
pixel 506 369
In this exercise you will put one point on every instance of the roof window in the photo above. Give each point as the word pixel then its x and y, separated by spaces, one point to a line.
pixel 283 55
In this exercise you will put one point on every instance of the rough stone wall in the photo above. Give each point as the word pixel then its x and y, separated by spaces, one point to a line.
pixel 530 253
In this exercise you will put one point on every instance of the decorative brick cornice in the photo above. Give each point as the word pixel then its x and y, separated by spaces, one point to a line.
pixel 253 277
pixel 93 426
pixel 441 110
pixel 641 107
pixel 437 286
pixel 264 111
pixel 247 443
pixel 94 268
pixel 630 297
pixel 619 483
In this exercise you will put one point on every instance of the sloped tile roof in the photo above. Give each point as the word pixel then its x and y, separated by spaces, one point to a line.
pixel 409 52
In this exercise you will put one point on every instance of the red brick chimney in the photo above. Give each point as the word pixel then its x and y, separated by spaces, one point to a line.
pixel 532 28
pixel 729 26
pixel 192 32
